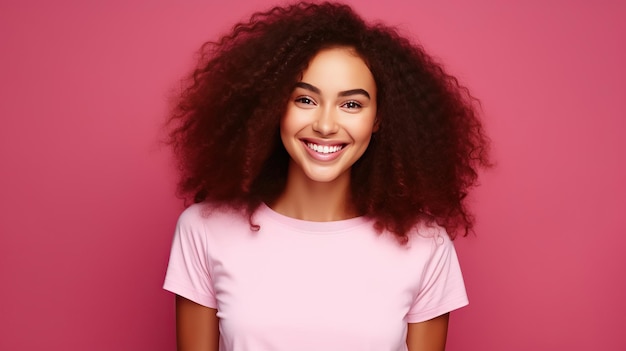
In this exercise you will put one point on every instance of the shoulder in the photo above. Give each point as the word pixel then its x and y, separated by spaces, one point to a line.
pixel 440 288
pixel 192 214
pixel 204 229
pixel 203 214
pixel 429 231
pixel 205 222
pixel 430 238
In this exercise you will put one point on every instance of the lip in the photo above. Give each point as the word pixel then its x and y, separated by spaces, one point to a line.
pixel 321 156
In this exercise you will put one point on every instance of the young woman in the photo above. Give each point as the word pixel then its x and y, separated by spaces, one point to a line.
pixel 328 160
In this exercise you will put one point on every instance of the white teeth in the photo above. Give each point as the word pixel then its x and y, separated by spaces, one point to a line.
pixel 324 149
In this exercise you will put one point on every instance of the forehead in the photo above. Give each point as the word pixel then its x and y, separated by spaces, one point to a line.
pixel 337 69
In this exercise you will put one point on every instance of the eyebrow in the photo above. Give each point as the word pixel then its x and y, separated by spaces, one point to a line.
pixel 316 90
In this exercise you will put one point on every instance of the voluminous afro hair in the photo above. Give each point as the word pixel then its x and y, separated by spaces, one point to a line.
pixel 418 166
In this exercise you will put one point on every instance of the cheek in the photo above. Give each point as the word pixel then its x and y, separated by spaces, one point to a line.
pixel 290 125
pixel 291 121
pixel 284 133
pixel 363 130
pixel 286 124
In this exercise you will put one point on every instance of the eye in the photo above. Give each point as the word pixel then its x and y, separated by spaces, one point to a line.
pixel 305 100
pixel 352 105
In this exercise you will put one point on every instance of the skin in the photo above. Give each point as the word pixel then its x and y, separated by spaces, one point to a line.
pixel 333 105
pixel 197 326
pixel 429 335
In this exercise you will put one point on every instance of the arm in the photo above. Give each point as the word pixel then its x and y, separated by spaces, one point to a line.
pixel 197 326
pixel 429 335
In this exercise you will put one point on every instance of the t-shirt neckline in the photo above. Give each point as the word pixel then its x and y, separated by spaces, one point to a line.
pixel 312 226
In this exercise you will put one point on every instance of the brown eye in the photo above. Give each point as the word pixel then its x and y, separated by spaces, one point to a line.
pixel 352 105
pixel 305 100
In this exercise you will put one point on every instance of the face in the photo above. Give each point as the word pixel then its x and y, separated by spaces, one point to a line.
pixel 330 116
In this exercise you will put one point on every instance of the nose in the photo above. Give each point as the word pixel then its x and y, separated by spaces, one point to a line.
pixel 326 122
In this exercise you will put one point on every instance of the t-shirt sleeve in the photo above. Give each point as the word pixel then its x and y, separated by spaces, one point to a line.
pixel 442 288
pixel 189 272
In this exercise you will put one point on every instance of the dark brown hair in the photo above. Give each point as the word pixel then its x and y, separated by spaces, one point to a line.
pixel 418 166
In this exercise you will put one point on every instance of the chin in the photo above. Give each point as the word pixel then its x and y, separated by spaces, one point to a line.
pixel 325 177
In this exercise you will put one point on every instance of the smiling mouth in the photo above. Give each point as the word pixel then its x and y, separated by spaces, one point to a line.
pixel 324 149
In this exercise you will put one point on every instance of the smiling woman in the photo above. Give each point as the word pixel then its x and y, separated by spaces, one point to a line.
pixel 326 128
pixel 328 160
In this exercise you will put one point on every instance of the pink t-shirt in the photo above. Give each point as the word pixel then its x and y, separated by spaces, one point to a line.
pixel 300 285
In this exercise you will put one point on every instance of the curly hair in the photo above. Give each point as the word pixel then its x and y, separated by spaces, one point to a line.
pixel 418 166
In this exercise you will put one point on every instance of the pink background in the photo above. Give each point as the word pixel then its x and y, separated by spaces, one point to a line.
pixel 86 192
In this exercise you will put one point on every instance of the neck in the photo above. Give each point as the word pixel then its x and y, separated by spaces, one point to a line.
pixel 309 200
